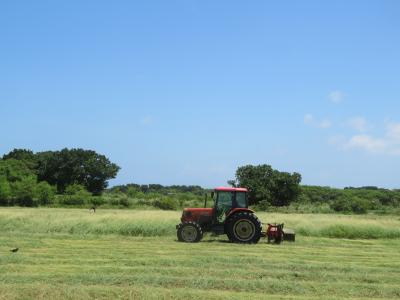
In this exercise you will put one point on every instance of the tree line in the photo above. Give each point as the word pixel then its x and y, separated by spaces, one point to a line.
pixel 270 188
pixel 80 177
pixel 29 179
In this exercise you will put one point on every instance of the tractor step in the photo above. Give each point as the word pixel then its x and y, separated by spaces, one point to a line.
pixel 218 229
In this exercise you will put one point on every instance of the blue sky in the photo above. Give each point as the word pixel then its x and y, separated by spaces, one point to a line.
pixel 184 92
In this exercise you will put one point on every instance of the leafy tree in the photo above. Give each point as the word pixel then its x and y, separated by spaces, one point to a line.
pixel 24 155
pixel 14 170
pixel 85 167
pixel 265 183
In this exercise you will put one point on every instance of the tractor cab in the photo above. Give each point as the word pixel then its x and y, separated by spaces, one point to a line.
pixel 227 200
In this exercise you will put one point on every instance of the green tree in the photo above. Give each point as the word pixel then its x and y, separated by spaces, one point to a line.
pixel 69 166
pixel 24 155
pixel 14 170
pixel 265 183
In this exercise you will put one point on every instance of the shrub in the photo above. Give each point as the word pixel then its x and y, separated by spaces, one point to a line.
pixel 359 206
pixel 342 204
pixel 76 195
pixel 263 205
pixel 97 200
pixel 124 201
pixel 165 203
pixel 5 191
pixel 24 191
pixel 45 193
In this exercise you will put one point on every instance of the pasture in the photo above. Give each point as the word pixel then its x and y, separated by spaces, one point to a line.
pixel 131 254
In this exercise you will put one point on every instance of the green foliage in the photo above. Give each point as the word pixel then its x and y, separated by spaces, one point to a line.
pixel 263 205
pixel 359 205
pixel 45 193
pixel 23 155
pixel 166 204
pixel 5 191
pixel 124 201
pixel 351 200
pixel 69 166
pixel 265 183
pixel 24 191
pixel 14 170
pixel 75 194
pixel 96 201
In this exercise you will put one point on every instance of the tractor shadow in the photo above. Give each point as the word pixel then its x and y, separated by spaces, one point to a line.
pixel 216 241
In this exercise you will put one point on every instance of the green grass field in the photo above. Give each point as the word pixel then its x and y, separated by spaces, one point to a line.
pixel 125 254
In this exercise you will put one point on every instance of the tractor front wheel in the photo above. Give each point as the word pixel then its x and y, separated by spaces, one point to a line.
pixel 244 227
pixel 189 232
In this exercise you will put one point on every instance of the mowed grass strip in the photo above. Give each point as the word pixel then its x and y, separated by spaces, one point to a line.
pixel 76 267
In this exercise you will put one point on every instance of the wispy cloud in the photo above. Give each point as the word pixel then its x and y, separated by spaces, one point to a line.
pixel 366 142
pixel 388 143
pixel 310 120
pixel 359 124
pixel 336 96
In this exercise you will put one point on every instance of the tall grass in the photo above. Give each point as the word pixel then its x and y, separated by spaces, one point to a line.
pixel 162 223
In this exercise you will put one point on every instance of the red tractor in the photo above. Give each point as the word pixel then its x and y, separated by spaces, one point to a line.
pixel 230 215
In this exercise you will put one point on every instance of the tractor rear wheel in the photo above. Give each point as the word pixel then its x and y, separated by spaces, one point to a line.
pixel 244 228
pixel 189 232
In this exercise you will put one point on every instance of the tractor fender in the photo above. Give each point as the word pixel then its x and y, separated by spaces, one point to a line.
pixel 236 210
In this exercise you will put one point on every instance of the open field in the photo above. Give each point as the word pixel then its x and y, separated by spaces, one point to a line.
pixel 69 253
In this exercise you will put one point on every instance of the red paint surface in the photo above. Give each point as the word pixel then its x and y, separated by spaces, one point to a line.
pixel 229 189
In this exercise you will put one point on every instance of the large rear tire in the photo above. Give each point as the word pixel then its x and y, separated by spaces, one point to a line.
pixel 244 228
pixel 189 232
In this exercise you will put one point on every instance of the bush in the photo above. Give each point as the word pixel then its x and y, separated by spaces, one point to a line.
pixel 359 206
pixel 75 195
pixel 97 200
pixel 124 202
pixel 263 205
pixel 5 191
pixel 342 204
pixel 24 191
pixel 166 204
pixel 45 193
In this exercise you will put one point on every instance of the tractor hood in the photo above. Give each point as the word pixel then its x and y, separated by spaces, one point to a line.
pixel 194 214
pixel 198 211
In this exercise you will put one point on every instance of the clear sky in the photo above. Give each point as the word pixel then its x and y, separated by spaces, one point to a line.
pixel 184 92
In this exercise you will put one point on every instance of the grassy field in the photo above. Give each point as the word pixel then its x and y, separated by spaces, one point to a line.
pixel 72 254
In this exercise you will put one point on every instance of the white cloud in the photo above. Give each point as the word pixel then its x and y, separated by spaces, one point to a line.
pixel 358 123
pixel 389 143
pixel 336 96
pixel 368 143
pixel 325 124
pixel 393 131
pixel 310 120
